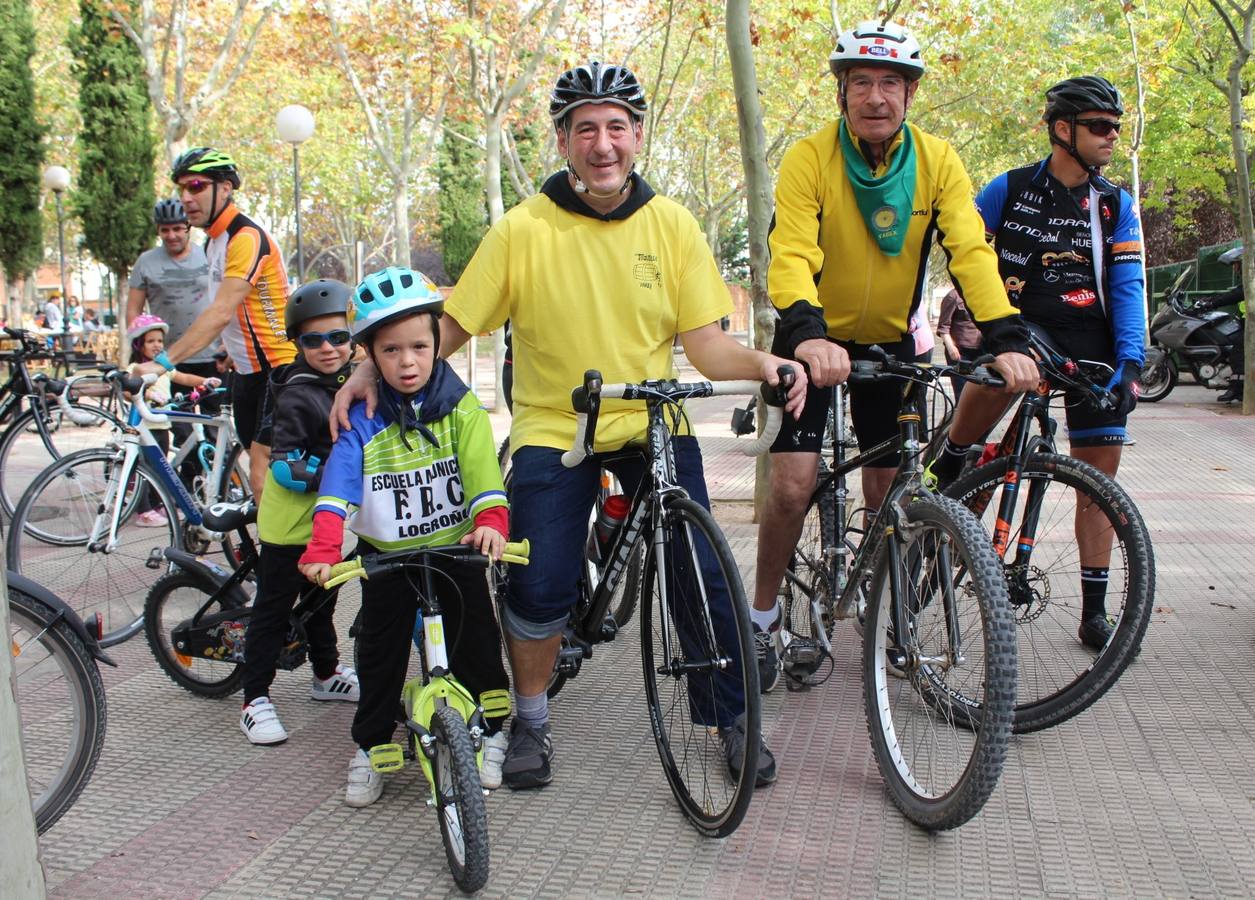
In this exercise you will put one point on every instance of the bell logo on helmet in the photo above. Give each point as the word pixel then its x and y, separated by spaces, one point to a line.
pixel 879 50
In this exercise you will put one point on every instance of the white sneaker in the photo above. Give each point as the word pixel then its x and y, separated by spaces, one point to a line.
pixel 260 723
pixel 342 685
pixel 494 756
pixel 365 784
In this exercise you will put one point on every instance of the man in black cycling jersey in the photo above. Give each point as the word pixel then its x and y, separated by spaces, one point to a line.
pixel 595 271
pixel 1069 250
pixel 858 206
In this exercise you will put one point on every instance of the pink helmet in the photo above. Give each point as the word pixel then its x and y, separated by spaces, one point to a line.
pixel 144 323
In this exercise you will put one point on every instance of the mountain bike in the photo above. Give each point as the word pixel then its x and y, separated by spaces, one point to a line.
pixel 1039 494
pixel 60 696
pixel 78 526
pixel 48 428
pixel 196 615
pixel 693 663
pixel 443 722
pixel 938 638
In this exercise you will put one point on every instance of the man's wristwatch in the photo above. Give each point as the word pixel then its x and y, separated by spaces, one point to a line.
pixel 163 360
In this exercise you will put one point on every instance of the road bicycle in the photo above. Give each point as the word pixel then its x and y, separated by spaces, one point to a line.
pixel 78 527
pixel 196 615
pixel 1030 496
pixel 696 679
pixel 48 428
pixel 60 696
pixel 923 581
pixel 444 724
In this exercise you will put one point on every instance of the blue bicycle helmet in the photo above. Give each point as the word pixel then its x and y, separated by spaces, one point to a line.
pixel 388 294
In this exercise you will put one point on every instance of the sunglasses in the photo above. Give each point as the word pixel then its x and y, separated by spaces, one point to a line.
pixel 1100 127
pixel 195 185
pixel 312 340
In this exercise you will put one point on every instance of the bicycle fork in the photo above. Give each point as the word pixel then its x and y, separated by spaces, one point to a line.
pixel 673 665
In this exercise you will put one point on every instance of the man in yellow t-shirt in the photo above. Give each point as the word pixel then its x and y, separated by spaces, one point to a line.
pixel 594 272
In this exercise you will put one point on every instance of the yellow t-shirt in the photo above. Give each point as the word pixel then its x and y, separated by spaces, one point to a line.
pixel 588 292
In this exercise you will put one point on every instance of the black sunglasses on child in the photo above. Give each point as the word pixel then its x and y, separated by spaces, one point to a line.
pixel 312 340
pixel 1100 127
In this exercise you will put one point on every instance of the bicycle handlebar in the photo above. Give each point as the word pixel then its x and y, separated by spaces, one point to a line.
pixel 135 385
pixel 516 553
pixel 586 400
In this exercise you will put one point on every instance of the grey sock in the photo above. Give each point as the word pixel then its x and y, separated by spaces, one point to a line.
pixel 532 710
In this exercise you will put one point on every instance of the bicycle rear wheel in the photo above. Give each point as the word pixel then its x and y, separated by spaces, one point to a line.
pixel 696 679
pixel 61 700
pixel 1058 676
pixel 23 454
pixel 460 800
pixel 940 760
pixel 48 539
pixel 173 600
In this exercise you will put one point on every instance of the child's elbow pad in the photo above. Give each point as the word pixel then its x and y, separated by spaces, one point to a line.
pixel 295 472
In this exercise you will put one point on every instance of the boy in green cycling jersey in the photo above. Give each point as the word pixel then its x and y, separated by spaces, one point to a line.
pixel 422 473
pixel 301 391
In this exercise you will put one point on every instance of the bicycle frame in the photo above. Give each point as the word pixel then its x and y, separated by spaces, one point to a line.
pixel 137 440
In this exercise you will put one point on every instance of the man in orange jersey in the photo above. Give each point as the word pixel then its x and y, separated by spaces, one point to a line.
pixel 249 288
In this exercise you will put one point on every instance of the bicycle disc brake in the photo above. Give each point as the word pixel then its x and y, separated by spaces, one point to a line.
pixel 1029 592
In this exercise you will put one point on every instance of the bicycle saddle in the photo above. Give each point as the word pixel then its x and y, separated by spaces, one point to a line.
pixel 229 516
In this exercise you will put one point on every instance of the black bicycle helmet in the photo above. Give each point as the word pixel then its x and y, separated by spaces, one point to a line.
pixel 597 82
pixel 324 297
pixel 169 212
pixel 206 161
pixel 1088 93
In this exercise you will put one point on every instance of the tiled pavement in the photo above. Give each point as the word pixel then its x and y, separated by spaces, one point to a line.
pixel 1149 793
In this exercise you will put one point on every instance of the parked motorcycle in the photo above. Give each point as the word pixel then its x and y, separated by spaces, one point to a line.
pixel 1201 342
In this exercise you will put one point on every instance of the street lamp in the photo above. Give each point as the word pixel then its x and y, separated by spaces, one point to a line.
pixel 295 125
pixel 57 180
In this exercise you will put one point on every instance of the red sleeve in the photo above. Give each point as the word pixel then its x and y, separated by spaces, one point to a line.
pixel 326 541
pixel 495 517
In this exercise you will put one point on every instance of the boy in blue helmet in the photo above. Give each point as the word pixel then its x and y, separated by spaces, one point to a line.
pixel 422 472
pixel 316 321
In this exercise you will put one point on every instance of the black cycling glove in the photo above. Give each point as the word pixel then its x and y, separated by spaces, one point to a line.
pixel 1126 387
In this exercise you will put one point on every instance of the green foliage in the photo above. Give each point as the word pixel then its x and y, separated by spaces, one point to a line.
pixel 114 198
pixel 21 148
pixel 462 218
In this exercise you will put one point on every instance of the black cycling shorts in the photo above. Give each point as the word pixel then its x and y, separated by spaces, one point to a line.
pixel 1088 425
pixel 248 398
pixel 873 407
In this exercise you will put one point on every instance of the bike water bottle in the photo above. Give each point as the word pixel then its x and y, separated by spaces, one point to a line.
pixel 610 519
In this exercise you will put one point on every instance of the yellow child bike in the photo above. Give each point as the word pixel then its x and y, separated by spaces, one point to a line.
pixel 443 721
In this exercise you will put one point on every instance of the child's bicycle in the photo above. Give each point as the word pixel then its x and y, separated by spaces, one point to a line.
pixel 444 723
pixel 196 615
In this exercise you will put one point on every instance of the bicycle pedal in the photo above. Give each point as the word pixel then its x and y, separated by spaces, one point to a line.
pixel 387 757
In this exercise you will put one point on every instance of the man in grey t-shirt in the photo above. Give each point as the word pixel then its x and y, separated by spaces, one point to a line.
pixel 173 280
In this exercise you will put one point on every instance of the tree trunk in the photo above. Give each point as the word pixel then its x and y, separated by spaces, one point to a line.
pixel 13 301
pixel 1246 220
pixel 711 227
pixel 19 851
pixel 496 209
pixel 757 193
pixel 401 219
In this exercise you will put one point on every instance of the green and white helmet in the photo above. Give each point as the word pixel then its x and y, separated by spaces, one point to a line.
pixel 390 294
pixel 207 161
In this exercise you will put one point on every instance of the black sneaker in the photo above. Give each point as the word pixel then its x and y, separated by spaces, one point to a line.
pixel 768 659
pixel 734 746
pixel 1096 630
pixel 528 757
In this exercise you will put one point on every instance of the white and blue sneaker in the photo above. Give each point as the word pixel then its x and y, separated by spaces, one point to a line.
pixel 342 685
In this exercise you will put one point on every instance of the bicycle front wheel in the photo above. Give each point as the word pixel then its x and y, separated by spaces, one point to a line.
pixel 939 687
pixel 1059 677
pixel 23 454
pixel 697 680
pixel 460 800
pixel 61 700
pixel 48 540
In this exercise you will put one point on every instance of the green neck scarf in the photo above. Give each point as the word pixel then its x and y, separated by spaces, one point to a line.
pixel 884 202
